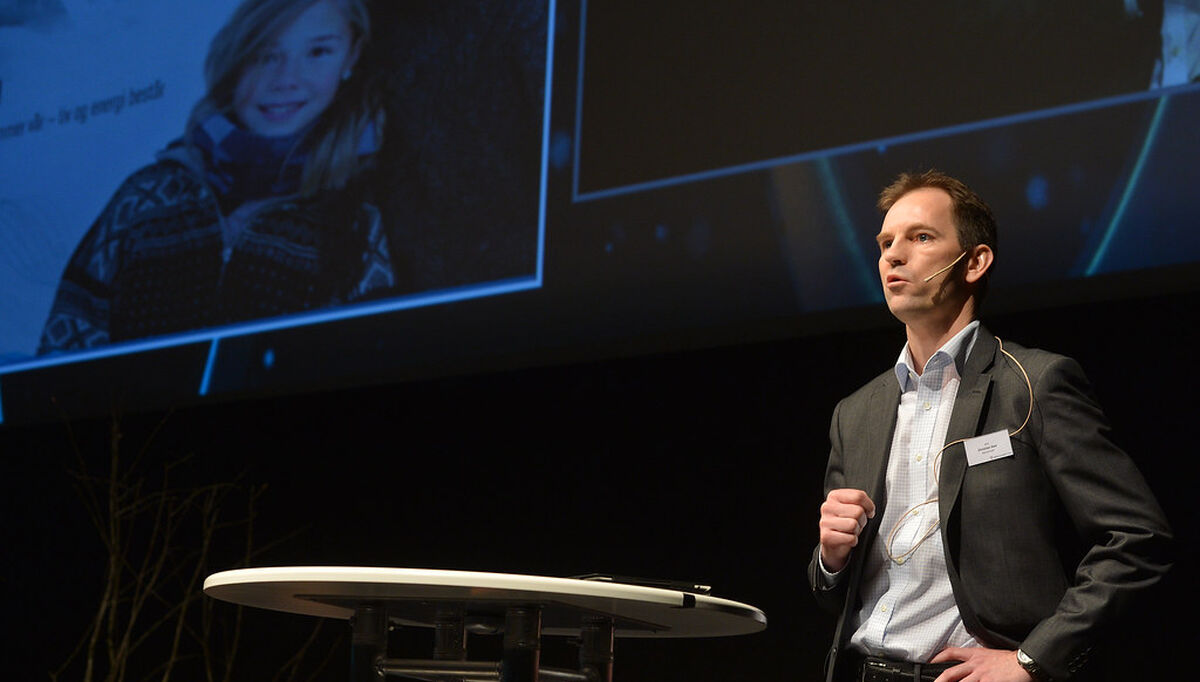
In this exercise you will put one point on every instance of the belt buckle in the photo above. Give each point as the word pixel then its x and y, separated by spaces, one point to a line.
pixel 876 670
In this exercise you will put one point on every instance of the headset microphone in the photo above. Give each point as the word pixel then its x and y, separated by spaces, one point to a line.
pixel 952 264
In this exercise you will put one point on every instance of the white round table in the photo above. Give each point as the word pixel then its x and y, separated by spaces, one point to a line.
pixel 521 607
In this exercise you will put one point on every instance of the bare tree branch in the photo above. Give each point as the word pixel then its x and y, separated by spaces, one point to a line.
pixel 160 533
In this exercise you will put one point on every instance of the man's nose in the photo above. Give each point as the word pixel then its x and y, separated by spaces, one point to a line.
pixel 894 254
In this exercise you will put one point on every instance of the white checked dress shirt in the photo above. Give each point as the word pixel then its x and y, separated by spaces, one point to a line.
pixel 908 610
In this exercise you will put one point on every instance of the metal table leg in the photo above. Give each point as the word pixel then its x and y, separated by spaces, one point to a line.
pixel 368 643
pixel 596 649
pixel 522 644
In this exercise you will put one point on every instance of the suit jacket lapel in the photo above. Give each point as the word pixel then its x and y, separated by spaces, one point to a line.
pixel 884 402
pixel 882 406
pixel 973 388
pixel 965 422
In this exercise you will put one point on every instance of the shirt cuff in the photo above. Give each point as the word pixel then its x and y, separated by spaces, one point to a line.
pixel 828 577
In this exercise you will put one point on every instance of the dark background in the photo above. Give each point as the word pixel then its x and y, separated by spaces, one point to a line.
pixel 682 87
pixel 701 465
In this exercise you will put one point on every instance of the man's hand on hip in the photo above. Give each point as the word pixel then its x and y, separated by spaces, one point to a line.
pixel 981 665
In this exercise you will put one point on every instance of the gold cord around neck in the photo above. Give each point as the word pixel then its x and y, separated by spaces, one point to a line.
pixel 937 458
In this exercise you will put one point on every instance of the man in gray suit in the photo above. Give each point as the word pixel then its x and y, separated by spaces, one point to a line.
pixel 979 523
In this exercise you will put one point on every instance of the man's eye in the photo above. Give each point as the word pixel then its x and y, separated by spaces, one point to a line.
pixel 319 51
pixel 922 237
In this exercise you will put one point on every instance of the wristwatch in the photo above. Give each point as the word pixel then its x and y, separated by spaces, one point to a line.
pixel 1035 671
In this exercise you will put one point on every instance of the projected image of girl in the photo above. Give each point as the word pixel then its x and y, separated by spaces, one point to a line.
pixel 261 208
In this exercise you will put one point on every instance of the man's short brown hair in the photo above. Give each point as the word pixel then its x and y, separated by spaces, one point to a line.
pixel 973 219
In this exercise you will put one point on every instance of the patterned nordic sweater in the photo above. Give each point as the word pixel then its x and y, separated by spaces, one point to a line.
pixel 162 258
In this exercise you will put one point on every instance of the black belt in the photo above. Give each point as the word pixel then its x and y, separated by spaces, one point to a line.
pixel 870 669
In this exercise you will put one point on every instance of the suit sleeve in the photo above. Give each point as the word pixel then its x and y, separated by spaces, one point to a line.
pixel 1124 531
pixel 829 597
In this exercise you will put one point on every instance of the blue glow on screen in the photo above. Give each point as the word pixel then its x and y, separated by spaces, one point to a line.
pixel 1037 192
pixel 1134 179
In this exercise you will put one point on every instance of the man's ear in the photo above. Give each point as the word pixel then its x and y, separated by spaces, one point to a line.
pixel 979 261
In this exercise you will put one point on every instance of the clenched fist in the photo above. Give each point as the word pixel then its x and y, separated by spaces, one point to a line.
pixel 843 516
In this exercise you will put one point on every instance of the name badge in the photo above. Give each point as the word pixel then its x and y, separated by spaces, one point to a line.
pixel 988 447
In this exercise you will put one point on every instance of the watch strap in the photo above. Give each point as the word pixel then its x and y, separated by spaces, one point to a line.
pixel 1035 671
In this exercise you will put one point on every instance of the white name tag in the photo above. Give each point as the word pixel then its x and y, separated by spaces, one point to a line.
pixel 988 447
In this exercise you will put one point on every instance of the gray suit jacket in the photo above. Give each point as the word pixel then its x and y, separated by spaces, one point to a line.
pixel 1044 549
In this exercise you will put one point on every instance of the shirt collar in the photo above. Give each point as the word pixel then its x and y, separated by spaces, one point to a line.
pixel 955 350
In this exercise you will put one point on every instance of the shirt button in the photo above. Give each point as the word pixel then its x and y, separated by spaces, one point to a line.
pixel 927 405
pixel 883 609
pixel 920 457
